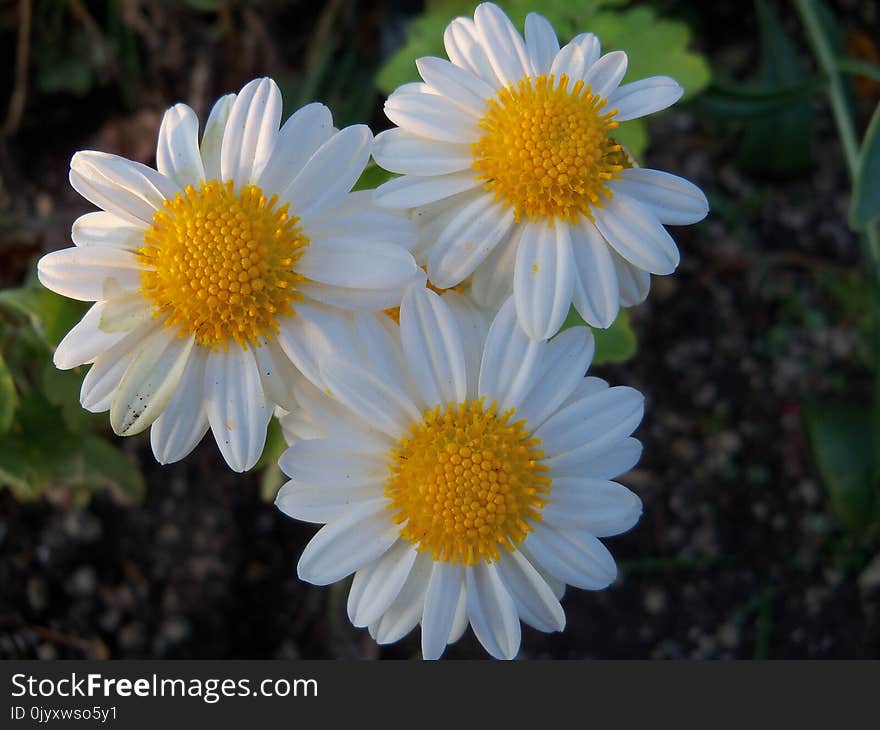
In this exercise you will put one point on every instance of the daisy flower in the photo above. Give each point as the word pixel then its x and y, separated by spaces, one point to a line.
pixel 462 478
pixel 211 274
pixel 507 152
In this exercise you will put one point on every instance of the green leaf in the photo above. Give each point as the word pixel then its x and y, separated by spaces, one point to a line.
pixel 51 315
pixel 747 102
pixel 272 477
pixel 102 465
pixel 616 344
pixel 866 191
pixel 62 389
pixel 8 397
pixel 40 452
pixel 372 177
pixel 653 45
pixel 788 133
pixel 858 68
pixel 839 437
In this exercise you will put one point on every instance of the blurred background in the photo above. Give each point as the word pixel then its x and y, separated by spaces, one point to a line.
pixel 761 528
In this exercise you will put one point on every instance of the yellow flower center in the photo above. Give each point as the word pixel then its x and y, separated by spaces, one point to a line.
pixel 547 150
pixel 467 481
pixel 220 265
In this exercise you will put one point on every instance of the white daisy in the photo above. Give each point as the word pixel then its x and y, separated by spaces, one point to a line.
pixel 507 153
pixel 463 478
pixel 211 274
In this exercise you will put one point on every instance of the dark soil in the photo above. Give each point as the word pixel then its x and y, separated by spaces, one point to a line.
pixel 738 554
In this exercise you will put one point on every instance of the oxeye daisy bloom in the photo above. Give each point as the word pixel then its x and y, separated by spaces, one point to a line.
pixel 507 152
pixel 463 478
pixel 211 274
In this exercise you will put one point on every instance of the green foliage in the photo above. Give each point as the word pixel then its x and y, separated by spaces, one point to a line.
pixel 372 177
pixel 47 441
pixel 743 102
pixel 840 439
pixel 655 45
pixel 616 344
pixel 787 131
pixel 272 477
pixel 866 190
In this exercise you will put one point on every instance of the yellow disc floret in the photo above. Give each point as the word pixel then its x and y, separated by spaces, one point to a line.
pixel 546 150
pixel 220 265
pixel 467 481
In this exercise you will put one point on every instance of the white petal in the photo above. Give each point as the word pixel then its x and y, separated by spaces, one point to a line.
pixel 403 615
pixel 86 340
pixel 599 418
pixel 177 154
pixel 604 76
pixel 492 612
pixel 384 404
pixel 184 422
pixel 250 133
pixel 89 273
pixel 341 547
pixel 581 561
pixel 410 191
pixel 566 359
pixel 359 300
pixel 492 282
pixel 322 504
pixel 149 381
pixel 300 137
pixel 357 263
pixel 441 599
pixel 637 235
pixel 105 229
pixel 609 463
pixel 543 279
pixel 327 415
pixel 236 406
pixel 535 601
pixel 130 190
pixel 312 335
pixel 357 212
pixel 602 508
pixel 432 343
pixel 464 48
pixel 460 620
pixel 376 586
pixel 463 88
pixel 570 61
pixel 349 459
pixel 212 137
pixel 379 345
pixel 277 374
pixel 590 45
pixel 467 240
pixel 432 116
pixel 473 327
pixel 330 172
pixel 103 377
pixel 633 283
pixel 595 295
pixel 503 44
pixel 511 361
pixel 541 42
pixel 645 96
pixel 674 200
pixel 401 151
